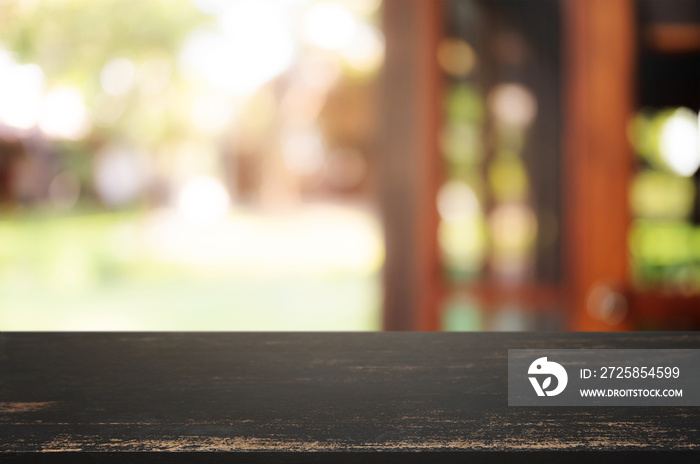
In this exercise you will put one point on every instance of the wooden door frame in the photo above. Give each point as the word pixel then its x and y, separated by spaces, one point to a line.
pixel 600 47
pixel 599 60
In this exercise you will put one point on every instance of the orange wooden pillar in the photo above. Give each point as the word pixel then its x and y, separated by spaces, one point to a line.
pixel 599 55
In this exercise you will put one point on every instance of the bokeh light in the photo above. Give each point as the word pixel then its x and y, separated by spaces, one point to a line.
pixel 461 143
pixel 365 52
pixel 252 44
pixel 203 200
pixel 303 151
pixel 154 76
pixel 513 104
pixel 679 142
pixel 456 201
pixel 656 194
pixel 513 229
pixel 64 115
pixel 456 57
pixel 107 109
pixel 21 88
pixel 508 178
pixel 118 175
pixel 329 25
pixel 462 314
pixel 461 233
pixel 117 76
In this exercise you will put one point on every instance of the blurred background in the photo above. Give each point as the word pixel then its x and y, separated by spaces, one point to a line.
pixel 349 165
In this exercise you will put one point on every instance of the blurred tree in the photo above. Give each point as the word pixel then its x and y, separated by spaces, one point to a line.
pixel 77 42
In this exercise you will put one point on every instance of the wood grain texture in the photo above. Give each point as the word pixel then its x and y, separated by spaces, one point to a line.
pixel 289 393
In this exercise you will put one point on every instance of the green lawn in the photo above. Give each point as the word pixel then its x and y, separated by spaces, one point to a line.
pixel 313 270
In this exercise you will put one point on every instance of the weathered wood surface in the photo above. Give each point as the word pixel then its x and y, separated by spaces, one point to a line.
pixel 307 393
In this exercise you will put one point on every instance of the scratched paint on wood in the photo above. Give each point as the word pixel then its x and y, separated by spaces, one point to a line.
pixel 299 392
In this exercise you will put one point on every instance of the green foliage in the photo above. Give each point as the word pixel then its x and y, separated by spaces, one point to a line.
pixel 72 39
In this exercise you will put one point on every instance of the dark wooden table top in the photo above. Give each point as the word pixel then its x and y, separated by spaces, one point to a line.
pixel 311 397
